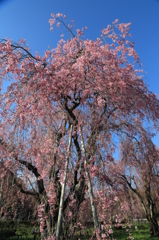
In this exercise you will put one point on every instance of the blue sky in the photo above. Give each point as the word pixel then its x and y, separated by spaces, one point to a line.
pixel 28 19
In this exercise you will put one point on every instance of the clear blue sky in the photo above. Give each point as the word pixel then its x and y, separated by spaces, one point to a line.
pixel 28 19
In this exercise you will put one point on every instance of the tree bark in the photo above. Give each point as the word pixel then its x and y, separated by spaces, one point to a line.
pixel 153 226
pixel 1 191
pixel 94 212
pixel 63 190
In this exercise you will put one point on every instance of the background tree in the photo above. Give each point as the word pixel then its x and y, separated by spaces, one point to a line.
pixel 139 162
pixel 14 204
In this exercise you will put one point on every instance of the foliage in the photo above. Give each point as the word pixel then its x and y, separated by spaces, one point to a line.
pixel 93 86
pixel 139 172
pixel 13 204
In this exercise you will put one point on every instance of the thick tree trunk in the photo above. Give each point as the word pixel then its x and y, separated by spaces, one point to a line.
pixel 94 212
pixel 63 190
pixel 154 228
pixel 153 224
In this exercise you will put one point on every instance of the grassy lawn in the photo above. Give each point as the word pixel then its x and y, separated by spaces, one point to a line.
pixel 26 233
pixel 22 229
pixel 142 233
pixel 136 234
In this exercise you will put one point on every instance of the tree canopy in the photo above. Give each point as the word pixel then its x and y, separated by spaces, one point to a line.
pixel 93 86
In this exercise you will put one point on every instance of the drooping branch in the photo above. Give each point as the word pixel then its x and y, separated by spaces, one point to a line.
pixel 17 46
pixel 28 165
pixel 16 182
pixel 135 191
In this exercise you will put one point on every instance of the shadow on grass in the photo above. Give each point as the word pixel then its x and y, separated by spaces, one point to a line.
pixel 137 235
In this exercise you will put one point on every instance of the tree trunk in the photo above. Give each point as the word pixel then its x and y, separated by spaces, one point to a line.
pixel 153 224
pixel 154 228
pixel 94 212
pixel 63 190
pixel 1 193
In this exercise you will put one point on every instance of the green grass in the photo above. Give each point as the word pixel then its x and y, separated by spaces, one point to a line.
pixel 139 234
pixel 142 233
pixel 23 229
